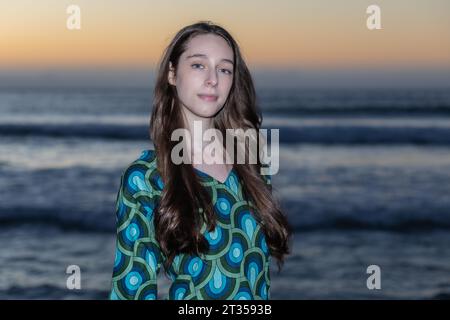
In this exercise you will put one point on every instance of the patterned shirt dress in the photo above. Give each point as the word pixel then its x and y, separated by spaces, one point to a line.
pixel 236 265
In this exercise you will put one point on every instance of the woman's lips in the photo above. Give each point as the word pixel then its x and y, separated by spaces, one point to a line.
pixel 207 97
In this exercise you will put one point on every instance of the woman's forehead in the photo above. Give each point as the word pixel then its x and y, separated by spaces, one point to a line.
pixel 208 46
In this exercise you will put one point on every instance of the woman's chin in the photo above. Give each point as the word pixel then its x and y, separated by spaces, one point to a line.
pixel 208 112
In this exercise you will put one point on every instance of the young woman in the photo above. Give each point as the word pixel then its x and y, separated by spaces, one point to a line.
pixel 212 227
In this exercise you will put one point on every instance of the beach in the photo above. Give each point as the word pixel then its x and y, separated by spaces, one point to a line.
pixel 364 179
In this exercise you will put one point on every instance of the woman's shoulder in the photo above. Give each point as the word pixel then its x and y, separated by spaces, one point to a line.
pixel 146 161
pixel 142 173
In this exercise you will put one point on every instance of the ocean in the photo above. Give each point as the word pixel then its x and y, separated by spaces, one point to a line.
pixel 364 180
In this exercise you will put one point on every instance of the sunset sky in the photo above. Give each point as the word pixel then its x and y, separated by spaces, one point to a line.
pixel 280 35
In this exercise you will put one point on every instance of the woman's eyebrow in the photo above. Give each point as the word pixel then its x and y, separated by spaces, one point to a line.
pixel 201 55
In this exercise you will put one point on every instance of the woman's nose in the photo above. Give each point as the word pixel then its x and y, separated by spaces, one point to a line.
pixel 212 78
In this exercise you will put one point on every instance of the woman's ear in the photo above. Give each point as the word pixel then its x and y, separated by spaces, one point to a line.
pixel 171 74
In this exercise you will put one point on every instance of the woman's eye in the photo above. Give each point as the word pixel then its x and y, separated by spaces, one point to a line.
pixel 226 71
pixel 198 65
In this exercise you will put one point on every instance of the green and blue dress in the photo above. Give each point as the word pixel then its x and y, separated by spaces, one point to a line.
pixel 236 265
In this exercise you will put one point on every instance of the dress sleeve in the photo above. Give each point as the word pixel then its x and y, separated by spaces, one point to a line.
pixel 137 253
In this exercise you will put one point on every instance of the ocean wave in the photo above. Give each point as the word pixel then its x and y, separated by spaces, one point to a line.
pixel 105 131
pixel 344 110
pixel 316 134
pixel 104 222
pixel 46 291
pixel 98 222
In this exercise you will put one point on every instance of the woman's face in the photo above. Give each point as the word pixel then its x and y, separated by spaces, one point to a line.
pixel 204 76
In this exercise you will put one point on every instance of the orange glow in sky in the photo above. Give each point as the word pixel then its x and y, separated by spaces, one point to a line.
pixel 282 33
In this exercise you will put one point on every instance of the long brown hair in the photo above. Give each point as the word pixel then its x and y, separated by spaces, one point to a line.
pixel 178 220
